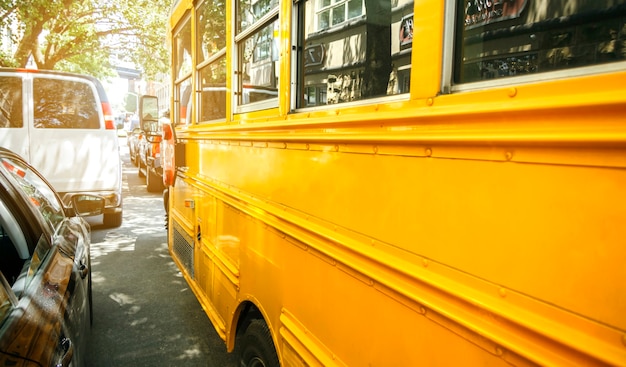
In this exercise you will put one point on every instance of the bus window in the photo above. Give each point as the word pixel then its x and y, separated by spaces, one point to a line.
pixel 213 86
pixel 353 50
pixel 257 51
pixel 505 38
pixel 182 73
pixel 211 46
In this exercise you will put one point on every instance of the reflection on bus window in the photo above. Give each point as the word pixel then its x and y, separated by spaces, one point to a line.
pixel 258 51
pixel 504 38
pixel 251 11
pixel 330 14
pixel 182 68
pixel 355 50
pixel 260 65
pixel 211 22
pixel 211 61
pixel 213 96
pixel 182 56
pixel 183 103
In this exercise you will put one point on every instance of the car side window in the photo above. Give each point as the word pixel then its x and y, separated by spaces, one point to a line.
pixel 11 102
pixel 17 264
pixel 41 250
pixel 38 192
pixel 19 276
pixel 13 246
pixel 64 104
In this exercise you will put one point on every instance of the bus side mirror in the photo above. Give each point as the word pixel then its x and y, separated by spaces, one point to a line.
pixel 148 110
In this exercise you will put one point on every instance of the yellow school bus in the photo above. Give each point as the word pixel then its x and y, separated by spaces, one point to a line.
pixel 402 182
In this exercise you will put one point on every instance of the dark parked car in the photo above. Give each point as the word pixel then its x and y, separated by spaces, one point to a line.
pixel 133 140
pixel 149 161
pixel 45 274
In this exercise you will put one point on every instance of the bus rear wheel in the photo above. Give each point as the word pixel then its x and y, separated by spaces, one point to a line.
pixel 256 348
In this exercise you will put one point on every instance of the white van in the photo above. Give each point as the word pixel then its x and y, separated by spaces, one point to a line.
pixel 62 124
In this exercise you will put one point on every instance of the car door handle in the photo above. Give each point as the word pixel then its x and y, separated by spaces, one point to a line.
pixel 84 270
pixel 67 345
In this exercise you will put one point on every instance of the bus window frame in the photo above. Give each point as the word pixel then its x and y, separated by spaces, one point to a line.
pixel 206 63
pixel 239 42
pixel 211 60
pixel 453 39
pixel 298 46
pixel 188 76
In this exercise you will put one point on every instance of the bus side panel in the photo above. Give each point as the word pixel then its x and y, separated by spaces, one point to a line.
pixel 205 243
pixel 558 211
pixel 318 303
pixel 562 240
pixel 343 317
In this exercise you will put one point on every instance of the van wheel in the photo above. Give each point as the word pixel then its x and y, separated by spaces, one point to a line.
pixel 256 348
pixel 112 220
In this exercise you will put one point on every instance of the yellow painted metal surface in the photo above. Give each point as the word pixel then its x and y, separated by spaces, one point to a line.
pixel 481 227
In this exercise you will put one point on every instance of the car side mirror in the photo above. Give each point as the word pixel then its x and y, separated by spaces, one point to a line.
pixel 148 110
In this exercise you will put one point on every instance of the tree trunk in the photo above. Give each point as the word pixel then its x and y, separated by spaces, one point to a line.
pixel 29 44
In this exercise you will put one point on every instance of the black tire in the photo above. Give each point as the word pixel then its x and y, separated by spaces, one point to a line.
pixel 153 182
pixel 134 158
pixel 89 291
pixel 111 220
pixel 256 348
pixel 139 166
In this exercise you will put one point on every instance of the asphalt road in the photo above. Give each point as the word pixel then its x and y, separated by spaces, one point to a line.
pixel 144 312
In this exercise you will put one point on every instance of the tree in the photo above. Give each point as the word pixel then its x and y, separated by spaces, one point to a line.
pixel 81 35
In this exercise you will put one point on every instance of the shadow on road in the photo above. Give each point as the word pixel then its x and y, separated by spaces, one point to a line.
pixel 144 312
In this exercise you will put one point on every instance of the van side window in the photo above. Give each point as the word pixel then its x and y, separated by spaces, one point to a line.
pixel 11 102
pixel 64 104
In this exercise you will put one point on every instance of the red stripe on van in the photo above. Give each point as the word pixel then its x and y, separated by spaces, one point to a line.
pixel 109 124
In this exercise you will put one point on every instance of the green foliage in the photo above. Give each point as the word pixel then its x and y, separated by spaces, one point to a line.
pixel 131 100
pixel 7 60
pixel 83 35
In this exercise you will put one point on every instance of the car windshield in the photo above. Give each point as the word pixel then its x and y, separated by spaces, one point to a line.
pixel 37 190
